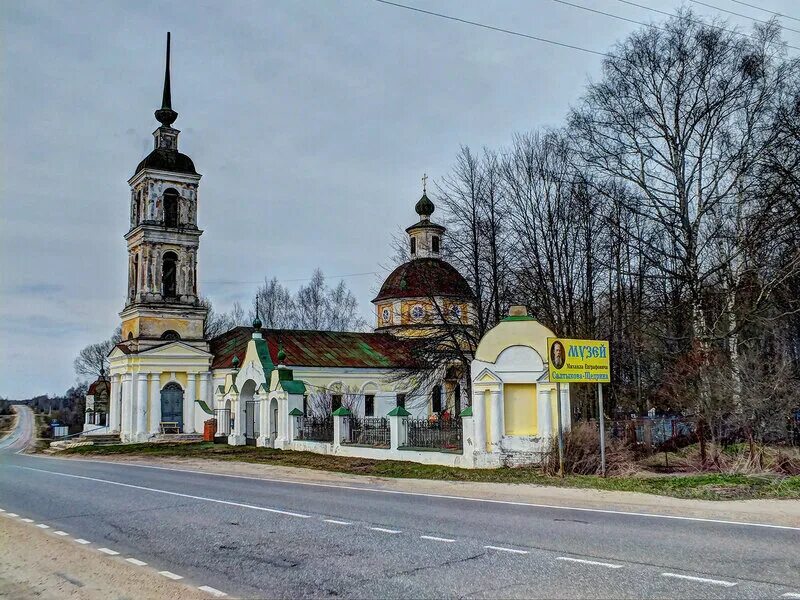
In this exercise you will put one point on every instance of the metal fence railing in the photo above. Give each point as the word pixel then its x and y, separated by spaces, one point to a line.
pixel 315 429
pixel 444 434
pixel 223 417
pixel 368 431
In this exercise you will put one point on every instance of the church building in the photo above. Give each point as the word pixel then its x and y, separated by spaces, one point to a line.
pixel 398 391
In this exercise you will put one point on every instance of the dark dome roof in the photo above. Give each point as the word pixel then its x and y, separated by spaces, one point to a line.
pixel 167 160
pixel 424 277
pixel 424 206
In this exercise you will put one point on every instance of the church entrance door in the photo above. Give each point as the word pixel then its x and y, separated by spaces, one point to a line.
pixel 172 404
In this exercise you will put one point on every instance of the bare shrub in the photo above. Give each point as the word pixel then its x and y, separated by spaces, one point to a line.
pixel 582 454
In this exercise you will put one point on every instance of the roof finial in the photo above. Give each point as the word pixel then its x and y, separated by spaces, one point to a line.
pixel 257 321
pixel 424 183
pixel 165 115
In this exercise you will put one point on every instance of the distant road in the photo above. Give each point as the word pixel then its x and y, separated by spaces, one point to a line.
pixel 23 435
pixel 251 537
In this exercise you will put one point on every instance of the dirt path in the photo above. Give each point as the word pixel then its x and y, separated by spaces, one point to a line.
pixel 776 512
pixel 36 564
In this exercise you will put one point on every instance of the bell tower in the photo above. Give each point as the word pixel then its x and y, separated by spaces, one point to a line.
pixel 162 303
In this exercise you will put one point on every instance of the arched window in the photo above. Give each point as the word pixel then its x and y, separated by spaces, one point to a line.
pixel 171 208
pixel 169 272
pixel 135 275
pixel 130 335
pixel 170 335
pixel 435 243
pixel 436 399
pixel 413 246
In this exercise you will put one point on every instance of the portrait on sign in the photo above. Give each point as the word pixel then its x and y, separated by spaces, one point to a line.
pixel 557 355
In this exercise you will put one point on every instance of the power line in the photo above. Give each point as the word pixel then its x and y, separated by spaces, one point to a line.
pixel 600 12
pixel 493 28
pixel 237 282
pixel 698 21
pixel 772 12
pixel 730 12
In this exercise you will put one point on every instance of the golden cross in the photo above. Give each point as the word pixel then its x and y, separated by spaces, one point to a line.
pixel 424 183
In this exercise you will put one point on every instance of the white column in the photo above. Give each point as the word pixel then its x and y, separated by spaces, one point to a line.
pixel 545 411
pixel 141 407
pixel 205 394
pixel 113 404
pixel 236 437
pixel 264 430
pixel 188 403
pixel 566 413
pixel 479 419
pixel 127 402
pixel 498 420
pixel 155 403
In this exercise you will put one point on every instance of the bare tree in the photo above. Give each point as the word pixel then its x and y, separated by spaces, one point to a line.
pixel 92 361
pixel 276 307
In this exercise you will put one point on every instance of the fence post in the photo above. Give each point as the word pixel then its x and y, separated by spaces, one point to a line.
pixel 467 433
pixel 294 415
pixel 341 425
pixel 398 427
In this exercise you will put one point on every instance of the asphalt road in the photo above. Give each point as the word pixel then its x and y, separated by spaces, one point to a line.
pixel 260 538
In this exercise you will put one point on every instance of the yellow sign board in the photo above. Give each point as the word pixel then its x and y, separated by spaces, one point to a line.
pixel 578 361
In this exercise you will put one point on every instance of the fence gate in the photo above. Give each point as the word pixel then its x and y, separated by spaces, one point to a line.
pixel 251 422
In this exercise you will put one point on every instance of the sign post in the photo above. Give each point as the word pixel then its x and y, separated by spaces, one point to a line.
pixel 602 430
pixel 560 432
pixel 579 361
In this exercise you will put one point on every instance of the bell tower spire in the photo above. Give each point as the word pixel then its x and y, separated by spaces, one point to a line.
pixel 165 115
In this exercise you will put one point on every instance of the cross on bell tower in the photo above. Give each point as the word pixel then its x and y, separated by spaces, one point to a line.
pixel 162 302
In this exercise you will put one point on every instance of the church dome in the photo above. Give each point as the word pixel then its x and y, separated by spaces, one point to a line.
pixel 167 160
pixel 424 277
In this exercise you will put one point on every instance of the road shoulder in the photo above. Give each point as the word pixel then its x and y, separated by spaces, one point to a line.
pixel 44 566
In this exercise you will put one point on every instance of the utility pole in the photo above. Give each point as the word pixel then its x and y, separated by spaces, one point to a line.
pixel 560 432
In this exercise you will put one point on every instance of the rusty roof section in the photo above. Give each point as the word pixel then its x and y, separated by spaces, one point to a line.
pixel 318 348
pixel 425 277
pixel 98 385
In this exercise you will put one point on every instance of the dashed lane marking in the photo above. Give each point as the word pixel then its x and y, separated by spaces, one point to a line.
pixel 700 579
pixel 27 520
pixel 790 595
pixel 357 488
pixel 335 522
pixel 169 493
pixel 82 541
pixel 108 551
pixel 502 549
pixel 589 562
pixel 61 533
pixel 12 515
pixel 136 561
pixel 2 510
pixel 213 591
pixel 170 575
pixel 42 526
pixel 383 530
pixel 433 538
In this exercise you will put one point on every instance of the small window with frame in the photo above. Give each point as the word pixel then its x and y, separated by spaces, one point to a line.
pixel 369 405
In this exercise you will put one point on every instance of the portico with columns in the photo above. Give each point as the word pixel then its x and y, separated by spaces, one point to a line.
pixel 514 403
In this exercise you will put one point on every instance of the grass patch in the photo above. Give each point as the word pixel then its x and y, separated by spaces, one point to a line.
pixel 705 487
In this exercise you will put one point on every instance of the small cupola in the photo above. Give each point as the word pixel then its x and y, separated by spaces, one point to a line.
pixel 425 237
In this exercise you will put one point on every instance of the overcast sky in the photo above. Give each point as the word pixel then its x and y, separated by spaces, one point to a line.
pixel 311 124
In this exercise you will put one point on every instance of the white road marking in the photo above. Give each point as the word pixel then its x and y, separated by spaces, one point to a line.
pixel 2 510
pixel 12 515
pixel 42 526
pixel 213 591
pixel 436 539
pixel 385 530
pixel 501 549
pixel 589 562
pixel 790 595
pixel 169 575
pixel 27 520
pixel 108 551
pixel 422 494
pixel 335 522
pixel 157 491
pixel 62 533
pixel 82 541
pixel 700 579
pixel 136 561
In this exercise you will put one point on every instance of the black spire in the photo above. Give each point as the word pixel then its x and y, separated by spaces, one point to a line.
pixel 165 115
